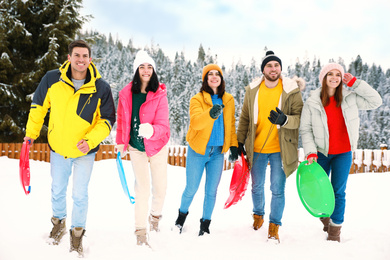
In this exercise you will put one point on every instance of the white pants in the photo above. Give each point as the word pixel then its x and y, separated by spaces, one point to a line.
pixel 158 172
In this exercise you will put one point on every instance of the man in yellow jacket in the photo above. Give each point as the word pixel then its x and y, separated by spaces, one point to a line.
pixel 268 127
pixel 82 113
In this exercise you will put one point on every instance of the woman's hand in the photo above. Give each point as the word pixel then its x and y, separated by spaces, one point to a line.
pixel 311 160
pixel 347 78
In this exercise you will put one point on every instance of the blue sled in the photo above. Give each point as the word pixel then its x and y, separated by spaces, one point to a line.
pixel 123 177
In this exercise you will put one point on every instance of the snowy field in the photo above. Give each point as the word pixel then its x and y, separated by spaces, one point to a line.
pixel 25 221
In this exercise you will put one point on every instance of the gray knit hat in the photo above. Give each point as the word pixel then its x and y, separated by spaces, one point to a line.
pixel 270 56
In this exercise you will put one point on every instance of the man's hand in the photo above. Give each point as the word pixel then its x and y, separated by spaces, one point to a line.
pixel 28 139
pixel 277 117
pixel 83 146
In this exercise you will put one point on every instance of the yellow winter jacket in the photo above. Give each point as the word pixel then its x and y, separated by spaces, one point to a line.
pixel 201 123
pixel 87 113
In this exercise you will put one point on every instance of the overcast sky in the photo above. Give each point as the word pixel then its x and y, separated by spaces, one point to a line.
pixel 240 29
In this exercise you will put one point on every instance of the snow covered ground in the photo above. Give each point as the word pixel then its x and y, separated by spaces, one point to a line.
pixel 25 221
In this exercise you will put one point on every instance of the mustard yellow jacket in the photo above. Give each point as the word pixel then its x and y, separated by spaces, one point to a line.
pixel 201 123
pixel 87 113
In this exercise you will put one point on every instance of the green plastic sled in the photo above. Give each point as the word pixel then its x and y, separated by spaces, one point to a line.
pixel 315 189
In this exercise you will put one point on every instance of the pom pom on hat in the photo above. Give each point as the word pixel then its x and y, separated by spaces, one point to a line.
pixel 270 56
pixel 329 67
pixel 141 58
pixel 209 67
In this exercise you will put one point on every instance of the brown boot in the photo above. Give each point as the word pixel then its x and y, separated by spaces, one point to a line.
pixel 76 240
pixel 273 230
pixel 334 232
pixel 258 221
pixel 58 231
pixel 325 221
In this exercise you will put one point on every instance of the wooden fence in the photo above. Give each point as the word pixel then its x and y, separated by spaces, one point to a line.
pixel 363 160
pixel 41 152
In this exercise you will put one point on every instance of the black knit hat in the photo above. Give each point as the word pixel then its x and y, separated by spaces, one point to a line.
pixel 269 56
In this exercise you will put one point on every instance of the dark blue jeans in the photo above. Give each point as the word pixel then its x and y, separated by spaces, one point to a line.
pixel 339 165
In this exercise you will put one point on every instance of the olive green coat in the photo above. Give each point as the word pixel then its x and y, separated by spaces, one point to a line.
pixel 291 104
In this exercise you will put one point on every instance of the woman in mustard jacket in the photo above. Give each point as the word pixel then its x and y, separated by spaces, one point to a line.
pixel 211 133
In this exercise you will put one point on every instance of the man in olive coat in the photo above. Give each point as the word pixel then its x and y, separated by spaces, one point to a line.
pixel 271 101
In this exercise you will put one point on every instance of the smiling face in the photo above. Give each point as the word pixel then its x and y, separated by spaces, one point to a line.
pixel 272 71
pixel 145 72
pixel 333 80
pixel 214 80
pixel 79 60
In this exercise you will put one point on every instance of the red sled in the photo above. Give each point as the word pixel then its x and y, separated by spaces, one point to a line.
pixel 24 167
pixel 239 182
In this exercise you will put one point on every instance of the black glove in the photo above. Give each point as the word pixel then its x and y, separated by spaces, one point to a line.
pixel 277 117
pixel 241 149
pixel 233 154
pixel 216 111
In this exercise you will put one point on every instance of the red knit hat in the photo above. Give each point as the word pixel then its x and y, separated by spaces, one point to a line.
pixel 209 67
pixel 329 67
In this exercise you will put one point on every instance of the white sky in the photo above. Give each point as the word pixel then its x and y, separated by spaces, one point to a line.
pixel 240 29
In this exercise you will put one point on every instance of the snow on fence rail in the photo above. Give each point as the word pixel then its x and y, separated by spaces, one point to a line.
pixel 364 160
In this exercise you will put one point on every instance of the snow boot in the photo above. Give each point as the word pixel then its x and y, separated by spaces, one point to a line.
pixel 58 230
pixel 204 226
pixel 141 237
pixel 325 221
pixel 334 232
pixel 76 240
pixel 180 220
pixel 273 230
pixel 258 221
pixel 153 221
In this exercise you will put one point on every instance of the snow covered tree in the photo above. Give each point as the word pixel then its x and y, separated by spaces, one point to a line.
pixel 34 39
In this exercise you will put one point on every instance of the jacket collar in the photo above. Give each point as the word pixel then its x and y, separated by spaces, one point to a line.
pixel 288 84
pixel 92 75
pixel 162 90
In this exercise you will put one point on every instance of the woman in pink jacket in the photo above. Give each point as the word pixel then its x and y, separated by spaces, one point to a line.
pixel 143 132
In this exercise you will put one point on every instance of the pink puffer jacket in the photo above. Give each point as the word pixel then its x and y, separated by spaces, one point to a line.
pixel 154 111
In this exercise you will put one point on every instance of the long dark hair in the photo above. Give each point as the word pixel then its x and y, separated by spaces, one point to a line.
pixel 153 84
pixel 205 86
pixel 338 96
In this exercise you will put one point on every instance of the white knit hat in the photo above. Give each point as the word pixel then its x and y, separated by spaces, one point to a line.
pixel 141 58
pixel 329 67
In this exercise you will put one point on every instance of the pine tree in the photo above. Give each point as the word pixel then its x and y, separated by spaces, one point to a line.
pixel 34 39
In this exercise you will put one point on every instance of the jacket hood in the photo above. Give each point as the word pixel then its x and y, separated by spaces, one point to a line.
pixel 288 84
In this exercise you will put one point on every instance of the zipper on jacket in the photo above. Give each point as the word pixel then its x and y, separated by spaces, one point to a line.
pixel 86 103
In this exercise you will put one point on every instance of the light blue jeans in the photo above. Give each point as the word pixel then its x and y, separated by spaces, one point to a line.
pixel 61 169
pixel 339 165
pixel 212 161
pixel 278 183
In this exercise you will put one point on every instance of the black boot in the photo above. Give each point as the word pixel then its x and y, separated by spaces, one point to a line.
pixel 204 226
pixel 180 220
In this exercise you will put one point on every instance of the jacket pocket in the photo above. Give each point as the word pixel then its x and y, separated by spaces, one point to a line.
pixel 86 106
pixel 290 149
